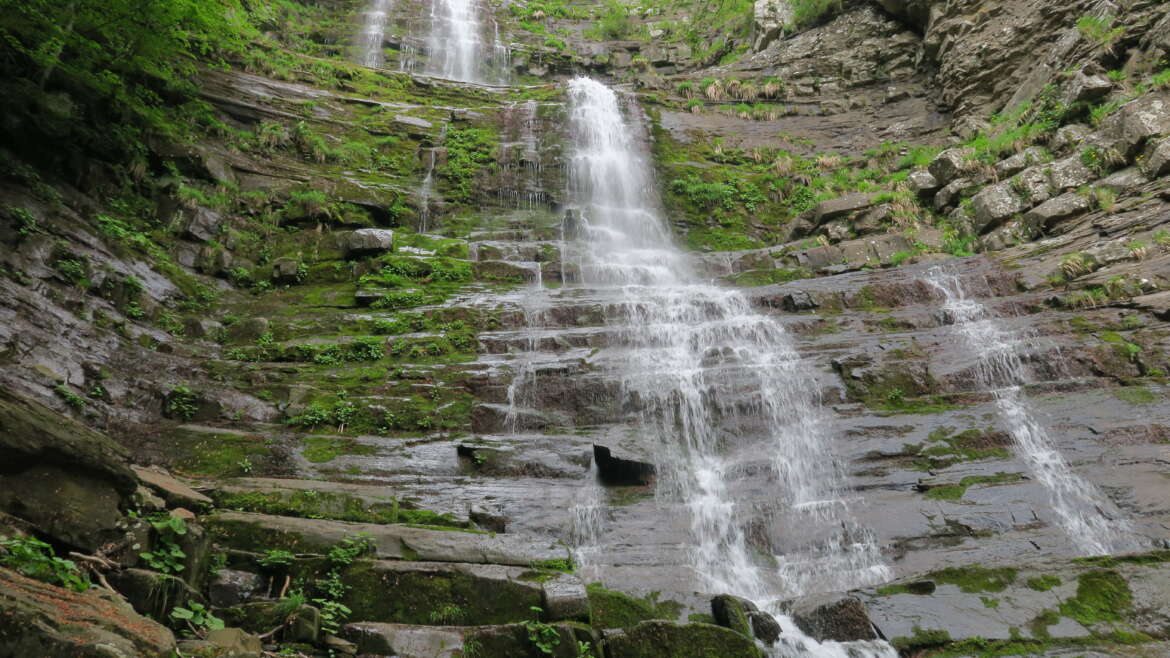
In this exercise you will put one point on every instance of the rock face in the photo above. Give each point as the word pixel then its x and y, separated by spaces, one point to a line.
pixel 770 18
pixel 842 619
pixel 650 639
pixel 37 619
pixel 68 481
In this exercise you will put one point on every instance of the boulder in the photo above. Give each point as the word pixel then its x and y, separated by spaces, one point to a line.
pixel 1083 88
pixel 1032 185
pixel 234 643
pixel 175 493
pixel 152 593
pixel 952 164
pixel 565 599
pixel 68 481
pixel 994 204
pixel 285 271
pixel 765 627
pixel 655 639
pixel 1123 181
pixel 1047 214
pixel 1158 162
pixel 232 587
pixel 953 191
pixel 202 224
pixel 1070 136
pixel 732 612
pixel 1069 174
pixel 248 329
pixel 800 300
pixel 842 206
pixel 38 619
pixel 1138 121
pixel 923 182
pixel 369 242
pixel 829 617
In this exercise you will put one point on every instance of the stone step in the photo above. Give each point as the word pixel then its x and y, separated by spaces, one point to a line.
pixel 261 532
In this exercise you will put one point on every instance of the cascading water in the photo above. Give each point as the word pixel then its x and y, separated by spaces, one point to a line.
pixel 1091 521
pixel 456 46
pixel 720 389
pixel 373 33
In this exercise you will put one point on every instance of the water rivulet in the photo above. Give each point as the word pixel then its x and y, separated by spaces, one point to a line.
pixel 715 387
pixel 1091 521
pixel 369 42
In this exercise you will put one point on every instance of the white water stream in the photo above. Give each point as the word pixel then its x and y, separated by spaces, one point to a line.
pixel 1092 522
pixel 456 46
pixel 373 33
pixel 721 390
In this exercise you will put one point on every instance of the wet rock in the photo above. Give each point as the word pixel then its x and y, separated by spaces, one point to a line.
pixel 488 518
pixel 800 300
pixel 369 242
pixel 923 182
pixel 827 211
pixel 839 618
pixel 260 532
pixel 1069 174
pixel 502 271
pixel 248 329
pixel 174 492
pixel 152 593
pixel 654 639
pixel 38 619
pixel 995 204
pixel 1124 181
pixel 405 640
pixel 951 193
pixel 232 587
pixel 732 612
pixel 1051 212
pixel 615 471
pixel 565 598
pixel 1158 162
pixel 952 164
pixel 202 224
pixel 1070 136
pixel 67 480
pixel 1086 89
pixel 234 643
pixel 285 271
pixel 765 627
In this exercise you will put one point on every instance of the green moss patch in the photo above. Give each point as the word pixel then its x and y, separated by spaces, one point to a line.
pixel 325 505
pixel 322 449
pixel 610 609
pixel 976 579
pixel 1043 583
pixel 954 492
pixel 1102 596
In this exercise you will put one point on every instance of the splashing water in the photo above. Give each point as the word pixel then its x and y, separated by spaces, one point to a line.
pixel 373 33
pixel 1089 518
pixel 718 387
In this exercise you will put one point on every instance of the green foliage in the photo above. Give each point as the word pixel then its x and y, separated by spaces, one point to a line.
pixel 26 224
pixel 276 557
pixel 545 637
pixel 1100 30
pixel 954 492
pixel 611 609
pixel 807 13
pixel 469 151
pixel 167 556
pixel 976 579
pixel 450 614
pixel 613 24
pixel 182 403
pixel 197 618
pixel 36 559
pixel 72 399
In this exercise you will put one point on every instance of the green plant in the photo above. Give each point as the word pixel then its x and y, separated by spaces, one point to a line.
pixel 26 223
pixel 182 403
pixel 197 618
pixel 448 614
pixel 245 465
pixel 545 637
pixel 167 556
pixel 1100 30
pixel 36 559
pixel 807 13
pixel 72 399
pixel 276 557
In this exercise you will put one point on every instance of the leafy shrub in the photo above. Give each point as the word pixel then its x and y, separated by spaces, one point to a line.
pixel 36 559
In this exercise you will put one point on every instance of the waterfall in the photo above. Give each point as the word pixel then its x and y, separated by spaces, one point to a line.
pixel 456 46
pixel 373 33
pixel 720 388
pixel 1091 521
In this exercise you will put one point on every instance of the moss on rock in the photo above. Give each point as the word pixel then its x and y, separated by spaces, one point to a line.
pixel 660 639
